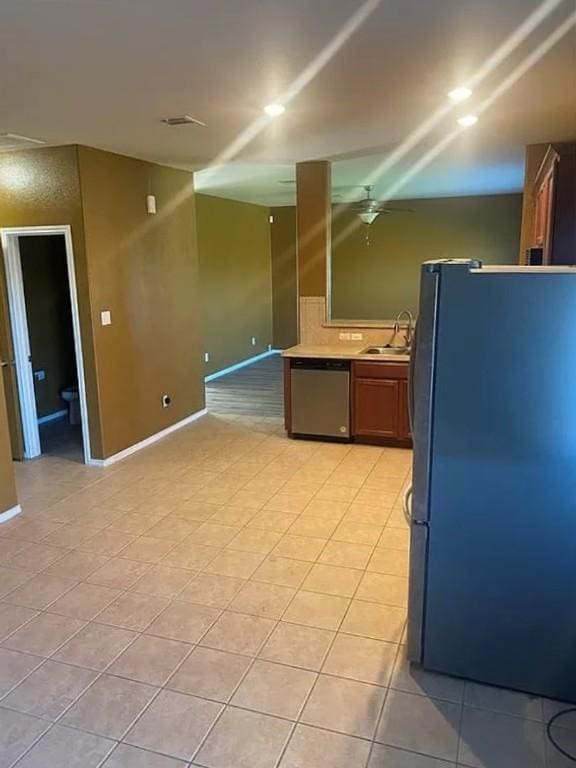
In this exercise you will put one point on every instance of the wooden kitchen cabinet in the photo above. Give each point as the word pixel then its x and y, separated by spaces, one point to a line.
pixel 554 194
pixel 376 410
pixel 380 402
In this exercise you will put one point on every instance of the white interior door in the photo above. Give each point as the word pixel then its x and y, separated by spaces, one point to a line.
pixel 21 338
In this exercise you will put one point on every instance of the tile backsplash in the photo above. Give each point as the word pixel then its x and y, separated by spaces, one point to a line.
pixel 314 330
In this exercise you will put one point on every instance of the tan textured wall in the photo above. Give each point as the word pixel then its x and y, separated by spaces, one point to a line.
pixel 41 187
pixel 378 280
pixel 45 277
pixel 144 270
pixel 7 478
pixel 284 277
pixel 235 279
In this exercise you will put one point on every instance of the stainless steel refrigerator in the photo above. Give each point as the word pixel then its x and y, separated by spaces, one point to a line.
pixel 493 528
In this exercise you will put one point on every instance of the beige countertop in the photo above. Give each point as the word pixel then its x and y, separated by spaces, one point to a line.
pixel 342 352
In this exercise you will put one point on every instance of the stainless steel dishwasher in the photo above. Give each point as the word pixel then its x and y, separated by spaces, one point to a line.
pixel 320 397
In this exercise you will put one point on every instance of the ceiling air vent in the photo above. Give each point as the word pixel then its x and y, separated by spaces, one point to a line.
pixel 17 141
pixel 182 120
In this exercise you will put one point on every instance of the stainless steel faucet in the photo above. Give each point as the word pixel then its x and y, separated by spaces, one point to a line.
pixel 409 325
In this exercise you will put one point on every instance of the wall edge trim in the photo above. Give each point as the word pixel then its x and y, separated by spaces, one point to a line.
pixel 10 513
pixel 241 364
pixel 148 441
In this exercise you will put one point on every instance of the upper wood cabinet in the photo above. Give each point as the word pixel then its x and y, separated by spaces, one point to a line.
pixel 555 205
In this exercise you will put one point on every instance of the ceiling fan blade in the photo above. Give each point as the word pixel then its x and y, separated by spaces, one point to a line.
pixel 397 210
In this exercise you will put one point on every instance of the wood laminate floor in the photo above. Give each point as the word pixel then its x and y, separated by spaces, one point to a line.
pixel 253 391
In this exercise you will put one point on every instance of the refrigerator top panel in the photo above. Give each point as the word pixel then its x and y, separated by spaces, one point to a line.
pixel 500 597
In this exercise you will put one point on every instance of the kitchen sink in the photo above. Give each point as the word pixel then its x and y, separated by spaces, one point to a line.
pixel 385 351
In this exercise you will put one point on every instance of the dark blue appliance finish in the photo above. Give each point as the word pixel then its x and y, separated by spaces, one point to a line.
pixel 493 545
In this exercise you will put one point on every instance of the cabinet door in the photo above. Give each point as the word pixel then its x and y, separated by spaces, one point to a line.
pixel 376 408
pixel 545 210
pixel 404 432
pixel 541 213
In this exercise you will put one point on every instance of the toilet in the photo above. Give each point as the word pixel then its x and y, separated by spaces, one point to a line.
pixel 71 397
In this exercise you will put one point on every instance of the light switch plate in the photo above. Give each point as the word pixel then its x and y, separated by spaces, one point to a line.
pixel 344 336
pixel 106 317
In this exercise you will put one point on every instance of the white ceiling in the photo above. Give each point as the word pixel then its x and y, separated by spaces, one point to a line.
pixel 103 73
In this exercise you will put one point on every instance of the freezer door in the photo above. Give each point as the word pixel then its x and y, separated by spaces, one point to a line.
pixel 500 599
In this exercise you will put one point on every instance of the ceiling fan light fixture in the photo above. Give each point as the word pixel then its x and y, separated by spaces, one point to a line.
pixel 369 217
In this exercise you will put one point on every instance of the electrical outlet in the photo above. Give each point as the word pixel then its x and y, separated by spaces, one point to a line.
pixel 253 341
pixel 356 336
pixel 166 401
pixel 206 357
pixel 40 375
pixel 344 336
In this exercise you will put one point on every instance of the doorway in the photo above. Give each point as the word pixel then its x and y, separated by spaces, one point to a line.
pixel 49 398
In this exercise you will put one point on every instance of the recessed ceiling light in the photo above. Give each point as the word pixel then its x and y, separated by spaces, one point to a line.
pixel 274 110
pixel 460 94
pixel 467 121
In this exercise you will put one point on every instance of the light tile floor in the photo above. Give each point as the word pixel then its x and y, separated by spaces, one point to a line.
pixel 230 599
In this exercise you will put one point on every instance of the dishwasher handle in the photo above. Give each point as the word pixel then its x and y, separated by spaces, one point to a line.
pixel 319 364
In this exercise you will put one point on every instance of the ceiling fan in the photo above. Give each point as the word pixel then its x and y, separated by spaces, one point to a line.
pixel 368 209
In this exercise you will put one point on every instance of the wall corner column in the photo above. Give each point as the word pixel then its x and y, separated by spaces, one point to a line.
pixel 313 226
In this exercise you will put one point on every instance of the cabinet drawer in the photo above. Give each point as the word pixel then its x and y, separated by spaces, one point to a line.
pixel 375 370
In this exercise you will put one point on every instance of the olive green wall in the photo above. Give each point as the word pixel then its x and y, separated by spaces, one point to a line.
pixel 284 277
pixel 379 279
pixel 143 269
pixel 45 278
pixel 235 279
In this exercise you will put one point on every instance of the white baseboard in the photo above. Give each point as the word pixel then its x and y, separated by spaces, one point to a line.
pixel 242 364
pixel 52 417
pixel 10 513
pixel 148 441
